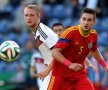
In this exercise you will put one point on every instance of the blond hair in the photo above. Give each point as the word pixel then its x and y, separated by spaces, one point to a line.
pixel 35 8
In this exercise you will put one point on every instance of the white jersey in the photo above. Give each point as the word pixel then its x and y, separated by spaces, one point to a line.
pixel 46 53
pixel 49 39
pixel 46 35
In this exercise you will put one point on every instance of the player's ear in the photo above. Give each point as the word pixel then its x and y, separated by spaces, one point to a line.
pixel 39 15
pixel 80 20
pixel 94 22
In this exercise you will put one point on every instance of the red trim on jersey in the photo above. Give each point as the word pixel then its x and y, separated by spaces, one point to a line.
pixel 39 60
pixel 41 42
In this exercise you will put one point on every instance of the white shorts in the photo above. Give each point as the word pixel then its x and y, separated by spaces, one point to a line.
pixel 45 82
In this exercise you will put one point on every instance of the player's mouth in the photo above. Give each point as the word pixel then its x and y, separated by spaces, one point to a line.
pixel 28 21
pixel 85 26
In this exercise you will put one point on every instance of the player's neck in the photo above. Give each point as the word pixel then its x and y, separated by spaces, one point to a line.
pixel 34 28
pixel 85 33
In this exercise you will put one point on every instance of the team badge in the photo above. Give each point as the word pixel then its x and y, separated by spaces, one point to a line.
pixel 89 45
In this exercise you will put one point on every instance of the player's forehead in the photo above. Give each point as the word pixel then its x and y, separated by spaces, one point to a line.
pixel 87 16
pixel 29 11
pixel 58 27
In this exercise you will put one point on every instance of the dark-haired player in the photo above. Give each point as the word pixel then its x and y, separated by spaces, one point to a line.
pixel 75 43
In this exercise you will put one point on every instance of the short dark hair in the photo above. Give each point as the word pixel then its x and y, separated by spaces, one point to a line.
pixel 57 24
pixel 90 11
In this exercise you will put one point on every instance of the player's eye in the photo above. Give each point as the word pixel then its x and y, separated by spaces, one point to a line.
pixel 83 19
pixel 60 30
pixel 26 15
pixel 55 31
pixel 31 15
pixel 89 19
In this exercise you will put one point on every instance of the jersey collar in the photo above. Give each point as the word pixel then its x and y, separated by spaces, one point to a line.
pixel 79 28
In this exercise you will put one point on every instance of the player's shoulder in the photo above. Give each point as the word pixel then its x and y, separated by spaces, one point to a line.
pixel 93 31
pixel 72 28
pixel 69 30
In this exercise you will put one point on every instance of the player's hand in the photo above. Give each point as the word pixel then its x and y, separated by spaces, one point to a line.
pixel 106 69
pixel 43 74
pixel 33 75
pixel 93 67
pixel 76 66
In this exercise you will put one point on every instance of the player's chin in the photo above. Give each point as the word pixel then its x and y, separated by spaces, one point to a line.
pixel 86 29
pixel 29 25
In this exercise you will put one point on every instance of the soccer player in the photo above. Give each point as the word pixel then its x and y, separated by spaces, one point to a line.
pixel 75 43
pixel 41 32
pixel 58 29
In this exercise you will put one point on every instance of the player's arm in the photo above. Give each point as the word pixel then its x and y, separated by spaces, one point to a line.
pixel 89 64
pixel 49 68
pixel 32 71
pixel 60 58
pixel 97 55
pixel 63 42
pixel 45 72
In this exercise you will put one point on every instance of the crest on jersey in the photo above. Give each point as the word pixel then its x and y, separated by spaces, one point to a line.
pixel 89 45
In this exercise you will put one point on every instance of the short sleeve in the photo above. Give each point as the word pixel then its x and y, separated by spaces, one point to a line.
pixel 65 39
